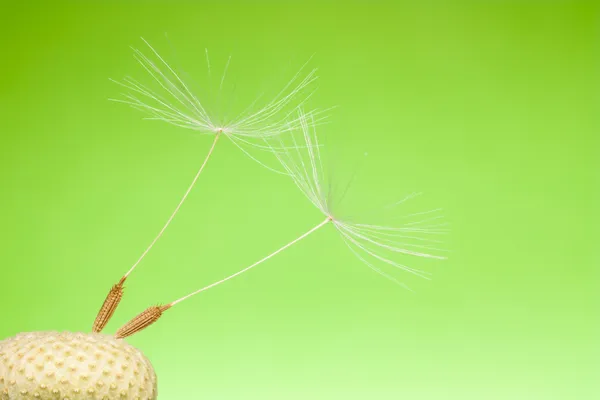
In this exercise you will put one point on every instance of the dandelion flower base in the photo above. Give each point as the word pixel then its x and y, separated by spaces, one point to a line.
pixel 53 365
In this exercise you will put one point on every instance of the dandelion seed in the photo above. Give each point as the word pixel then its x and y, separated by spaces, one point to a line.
pixel 376 246
pixel 176 104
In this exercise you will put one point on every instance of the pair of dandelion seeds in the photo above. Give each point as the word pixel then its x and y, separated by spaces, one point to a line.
pixel 287 132
pixel 68 366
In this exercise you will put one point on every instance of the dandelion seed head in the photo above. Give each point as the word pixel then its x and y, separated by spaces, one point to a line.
pixel 416 235
pixel 166 96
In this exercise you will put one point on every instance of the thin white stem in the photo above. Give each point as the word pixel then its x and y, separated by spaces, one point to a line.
pixel 299 238
pixel 187 192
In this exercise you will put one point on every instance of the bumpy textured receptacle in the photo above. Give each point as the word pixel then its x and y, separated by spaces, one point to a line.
pixel 109 306
pixel 141 321
pixel 52 365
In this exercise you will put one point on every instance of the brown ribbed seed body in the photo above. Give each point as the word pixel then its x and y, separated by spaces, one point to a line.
pixel 109 306
pixel 141 321
pixel 75 366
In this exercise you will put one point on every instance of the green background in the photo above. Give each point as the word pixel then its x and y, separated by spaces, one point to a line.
pixel 487 107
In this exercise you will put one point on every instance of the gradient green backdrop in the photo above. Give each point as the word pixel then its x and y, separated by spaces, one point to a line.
pixel 489 107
